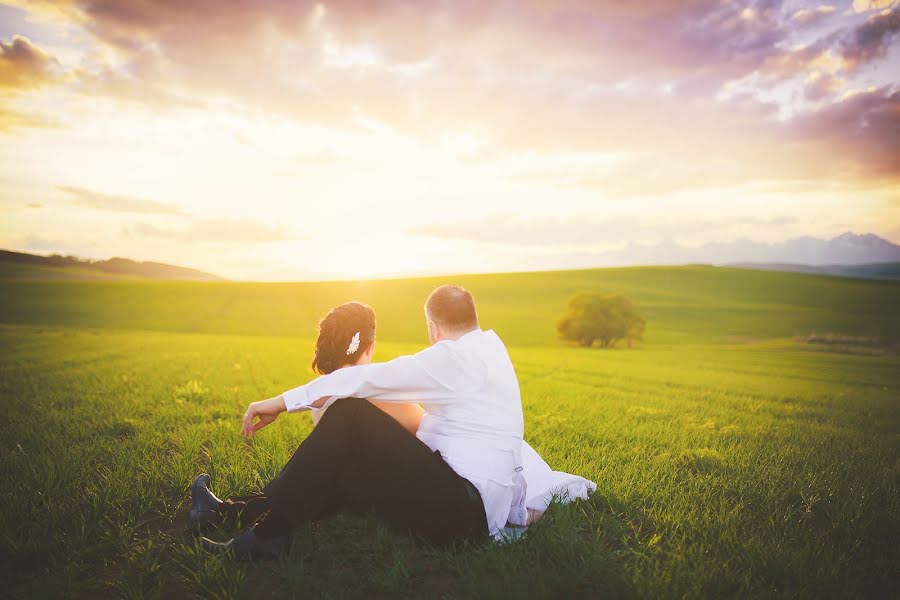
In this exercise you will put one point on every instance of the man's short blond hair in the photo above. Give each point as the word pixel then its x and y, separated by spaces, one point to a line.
pixel 452 307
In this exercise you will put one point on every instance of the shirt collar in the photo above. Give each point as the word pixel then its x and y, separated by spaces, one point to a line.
pixel 471 335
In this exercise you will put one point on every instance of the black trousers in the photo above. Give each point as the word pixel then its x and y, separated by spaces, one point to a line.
pixel 360 460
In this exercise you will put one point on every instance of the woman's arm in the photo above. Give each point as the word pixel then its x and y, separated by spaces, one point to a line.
pixel 408 415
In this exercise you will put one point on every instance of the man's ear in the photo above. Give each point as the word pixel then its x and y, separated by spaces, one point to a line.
pixel 435 331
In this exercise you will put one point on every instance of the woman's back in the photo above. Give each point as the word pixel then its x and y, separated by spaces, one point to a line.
pixel 408 415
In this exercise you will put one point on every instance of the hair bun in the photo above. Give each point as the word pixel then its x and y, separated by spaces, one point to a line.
pixel 352 321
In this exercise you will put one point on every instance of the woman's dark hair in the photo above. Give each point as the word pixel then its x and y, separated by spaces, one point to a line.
pixel 336 331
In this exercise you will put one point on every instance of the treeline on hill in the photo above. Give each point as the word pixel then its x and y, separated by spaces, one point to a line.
pixel 118 266
pixel 602 320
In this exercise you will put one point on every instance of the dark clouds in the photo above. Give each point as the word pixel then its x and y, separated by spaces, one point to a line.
pixel 865 128
pixel 838 52
pixel 871 40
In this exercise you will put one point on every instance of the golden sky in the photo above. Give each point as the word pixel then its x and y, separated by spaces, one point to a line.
pixel 296 140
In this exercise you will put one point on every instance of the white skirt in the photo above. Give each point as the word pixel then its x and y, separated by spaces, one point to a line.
pixel 543 483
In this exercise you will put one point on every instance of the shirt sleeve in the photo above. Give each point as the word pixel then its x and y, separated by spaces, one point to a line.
pixel 425 377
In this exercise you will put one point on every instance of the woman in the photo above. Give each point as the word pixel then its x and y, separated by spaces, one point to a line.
pixel 335 329
pixel 347 337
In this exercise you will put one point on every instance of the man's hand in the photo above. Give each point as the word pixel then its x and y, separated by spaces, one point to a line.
pixel 265 410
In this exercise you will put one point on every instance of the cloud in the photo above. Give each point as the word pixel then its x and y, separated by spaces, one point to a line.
pixel 867 5
pixel 813 15
pixel 840 51
pixel 11 119
pixel 863 125
pixel 117 202
pixel 560 76
pixel 218 230
pixel 323 60
pixel 821 85
pixel 581 230
pixel 870 40
pixel 23 65
pixel 37 243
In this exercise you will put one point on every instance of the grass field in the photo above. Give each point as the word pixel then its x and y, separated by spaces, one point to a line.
pixel 731 459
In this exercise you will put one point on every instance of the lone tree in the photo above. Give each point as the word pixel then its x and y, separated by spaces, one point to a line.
pixel 602 319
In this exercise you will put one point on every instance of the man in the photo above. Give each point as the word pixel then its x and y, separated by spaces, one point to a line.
pixel 458 478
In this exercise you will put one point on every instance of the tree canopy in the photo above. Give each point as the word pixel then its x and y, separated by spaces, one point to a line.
pixel 602 320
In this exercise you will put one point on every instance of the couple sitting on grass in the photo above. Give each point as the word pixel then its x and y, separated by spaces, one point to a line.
pixel 430 444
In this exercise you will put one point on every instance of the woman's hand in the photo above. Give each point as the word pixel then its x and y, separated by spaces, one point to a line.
pixel 266 410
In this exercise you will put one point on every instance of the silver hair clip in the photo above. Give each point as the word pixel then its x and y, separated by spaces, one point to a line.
pixel 354 344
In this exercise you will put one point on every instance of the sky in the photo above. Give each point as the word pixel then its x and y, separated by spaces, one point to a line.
pixel 290 140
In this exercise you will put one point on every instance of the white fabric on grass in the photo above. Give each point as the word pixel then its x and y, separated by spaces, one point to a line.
pixel 543 486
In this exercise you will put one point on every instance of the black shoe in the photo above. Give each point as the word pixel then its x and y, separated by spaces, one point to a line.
pixel 204 504
pixel 248 546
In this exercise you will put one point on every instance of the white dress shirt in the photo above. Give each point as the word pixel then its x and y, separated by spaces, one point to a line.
pixel 473 412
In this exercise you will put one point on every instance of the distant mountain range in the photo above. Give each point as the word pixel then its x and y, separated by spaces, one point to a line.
pixel 114 266
pixel 847 255
pixel 807 254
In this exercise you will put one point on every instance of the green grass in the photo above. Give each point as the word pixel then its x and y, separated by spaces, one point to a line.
pixel 731 460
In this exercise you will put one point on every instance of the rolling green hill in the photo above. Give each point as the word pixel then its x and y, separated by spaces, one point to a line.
pixel 697 303
pixel 885 270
